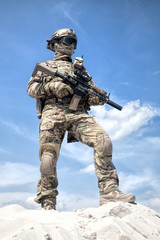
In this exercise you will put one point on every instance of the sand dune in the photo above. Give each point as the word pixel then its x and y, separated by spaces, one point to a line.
pixel 113 221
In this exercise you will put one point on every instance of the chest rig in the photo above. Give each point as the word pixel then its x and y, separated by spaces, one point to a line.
pixel 65 67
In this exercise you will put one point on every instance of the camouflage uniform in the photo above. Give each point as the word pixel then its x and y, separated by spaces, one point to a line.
pixel 55 121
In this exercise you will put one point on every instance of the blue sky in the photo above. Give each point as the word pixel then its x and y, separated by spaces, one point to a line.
pixel 119 40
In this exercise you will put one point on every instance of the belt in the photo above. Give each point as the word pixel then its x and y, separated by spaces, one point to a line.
pixel 65 100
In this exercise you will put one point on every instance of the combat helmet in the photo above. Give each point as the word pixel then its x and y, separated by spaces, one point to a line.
pixel 64 35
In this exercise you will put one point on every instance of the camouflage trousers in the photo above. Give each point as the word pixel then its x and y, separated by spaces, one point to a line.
pixel 56 120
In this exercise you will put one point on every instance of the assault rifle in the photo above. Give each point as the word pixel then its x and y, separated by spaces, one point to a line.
pixel 80 85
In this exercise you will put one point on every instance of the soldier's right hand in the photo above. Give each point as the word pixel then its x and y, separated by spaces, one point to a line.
pixel 60 89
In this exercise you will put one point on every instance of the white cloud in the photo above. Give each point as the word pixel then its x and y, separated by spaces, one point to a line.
pixel 141 183
pixel 65 202
pixel 153 142
pixel 89 169
pixel 155 73
pixel 145 178
pixel 30 203
pixel 68 202
pixel 66 8
pixel 137 152
pixel 2 150
pixel 17 173
pixel 153 202
pixel 77 151
pixel 22 198
pixel 20 130
pixel 125 83
pixel 121 124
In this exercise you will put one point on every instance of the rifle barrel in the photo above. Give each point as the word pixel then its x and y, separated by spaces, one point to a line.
pixel 113 104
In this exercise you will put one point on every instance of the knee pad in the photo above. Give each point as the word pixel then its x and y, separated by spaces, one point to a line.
pixel 48 163
pixel 104 145
pixel 107 146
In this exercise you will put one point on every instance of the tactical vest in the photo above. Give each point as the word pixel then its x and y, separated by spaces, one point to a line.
pixel 64 67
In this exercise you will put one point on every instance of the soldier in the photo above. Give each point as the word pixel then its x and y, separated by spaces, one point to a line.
pixel 53 98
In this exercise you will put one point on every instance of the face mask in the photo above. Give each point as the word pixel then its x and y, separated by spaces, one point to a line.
pixel 64 49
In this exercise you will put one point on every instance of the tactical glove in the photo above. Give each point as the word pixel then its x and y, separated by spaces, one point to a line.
pixel 60 89
pixel 94 100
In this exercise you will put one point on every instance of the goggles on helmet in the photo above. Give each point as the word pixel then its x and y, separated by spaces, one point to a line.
pixel 69 41
pixel 65 40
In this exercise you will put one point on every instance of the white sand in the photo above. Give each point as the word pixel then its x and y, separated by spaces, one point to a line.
pixel 113 221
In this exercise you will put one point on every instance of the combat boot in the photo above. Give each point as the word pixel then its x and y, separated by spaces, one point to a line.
pixel 116 196
pixel 49 203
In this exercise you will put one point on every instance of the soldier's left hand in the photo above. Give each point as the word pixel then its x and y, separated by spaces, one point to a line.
pixel 94 100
